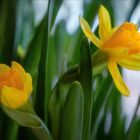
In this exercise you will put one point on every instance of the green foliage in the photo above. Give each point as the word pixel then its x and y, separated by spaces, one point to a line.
pixel 72 116
pixel 73 94
pixel 25 116
pixel 7 29
pixel 86 82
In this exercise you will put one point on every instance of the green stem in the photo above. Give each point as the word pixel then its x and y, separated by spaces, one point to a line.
pixel 12 130
pixel 99 63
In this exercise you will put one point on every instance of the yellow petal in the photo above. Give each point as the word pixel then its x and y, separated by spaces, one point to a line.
pixel 28 85
pixel 17 67
pixel 117 78
pixel 131 62
pixel 117 51
pixel 21 72
pixel 125 36
pixel 26 78
pixel 113 30
pixel 12 97
pixel 89 34
pixel 4 68
pixel 104 23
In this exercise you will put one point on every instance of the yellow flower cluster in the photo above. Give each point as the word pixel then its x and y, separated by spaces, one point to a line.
pixel 15 85
pixel 121 44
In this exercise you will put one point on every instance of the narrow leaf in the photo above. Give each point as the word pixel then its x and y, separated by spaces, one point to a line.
pixel 7 29
pixel 86 82
pixel 101 99
pixel 33 55
pixel 72 119
pixel 54 11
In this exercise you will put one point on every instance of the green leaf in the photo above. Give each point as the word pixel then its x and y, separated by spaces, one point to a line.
pixel 54 11
pixel 130 131
pixel 72 117
pixel 91 10
pixel 118 123
pixel 56 105
pixel 69 76
pixel 33 55
pixel 25 116
pixel 31 60
pixel 42 82
pixel 57 99
pixel 99 103
pixel 12 129
pixel 7 29
pixel 60 40
pixel 86 82
pixel 134 133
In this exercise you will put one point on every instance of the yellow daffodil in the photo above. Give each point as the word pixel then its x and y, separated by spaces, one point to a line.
pixel 15 85
pixel 121 44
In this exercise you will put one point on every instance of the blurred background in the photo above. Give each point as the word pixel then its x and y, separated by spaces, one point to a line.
pixel 31 13
pixel 65 39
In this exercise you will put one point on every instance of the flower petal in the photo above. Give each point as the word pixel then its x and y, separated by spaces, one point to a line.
pixel 18 68
pixel 113 30
pixel 4 68
pixel 89 34
pixel 21 73
pixel 131 62
pixel 28 85
pixel 104 23
pixel 124 36
pixel 117 78
pixel 12 97
pixel 117 51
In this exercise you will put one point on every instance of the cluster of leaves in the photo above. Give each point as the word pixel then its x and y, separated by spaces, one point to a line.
pixel 81 106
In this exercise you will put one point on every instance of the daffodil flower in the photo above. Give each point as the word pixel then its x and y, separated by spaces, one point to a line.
pixel 121 45
pixel 15 85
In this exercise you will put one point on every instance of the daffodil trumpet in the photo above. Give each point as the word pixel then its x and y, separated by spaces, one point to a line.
pixel 120 44
pixel 15 85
